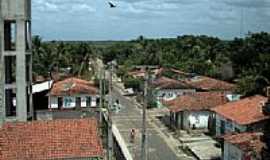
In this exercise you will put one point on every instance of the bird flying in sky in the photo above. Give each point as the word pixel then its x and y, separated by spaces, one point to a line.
pixel 111 4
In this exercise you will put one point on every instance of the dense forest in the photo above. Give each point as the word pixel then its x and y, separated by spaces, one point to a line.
pixel 245 61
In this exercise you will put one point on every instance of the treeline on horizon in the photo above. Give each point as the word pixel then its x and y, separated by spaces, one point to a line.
pixel 244 61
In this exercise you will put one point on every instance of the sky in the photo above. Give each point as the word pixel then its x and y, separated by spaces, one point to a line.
pixel 95 20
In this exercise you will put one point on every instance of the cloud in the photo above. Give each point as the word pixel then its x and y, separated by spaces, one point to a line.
pixel 248 3
pixel 69 6
pixel 94 19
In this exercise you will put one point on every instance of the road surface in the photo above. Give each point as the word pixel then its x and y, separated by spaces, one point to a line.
pixel 131 117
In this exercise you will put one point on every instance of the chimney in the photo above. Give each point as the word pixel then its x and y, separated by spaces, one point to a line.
pixel 266 107
pixel 268 93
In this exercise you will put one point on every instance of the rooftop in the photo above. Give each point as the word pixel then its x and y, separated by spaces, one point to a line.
pixel 168 83
pixel 245 111
pixel 140 73
pixel 197 101
pixel 207 83
pixel 247 141
pixel 71 86
pixel 50 140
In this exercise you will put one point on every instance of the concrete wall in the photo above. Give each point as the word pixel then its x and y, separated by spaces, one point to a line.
pixel 187 119
pixel 70 101
pixel 169 94
pixel 18 11
pixel 16 8
pixel 230 126
pixel 231 152
pixel 199 119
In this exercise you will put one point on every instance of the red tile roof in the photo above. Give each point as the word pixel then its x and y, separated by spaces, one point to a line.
pixel 247 142
pixel 71 86
pixel 207 83
pixel 50 140
pixel 245 111
pixel 197 101
pixel 168 83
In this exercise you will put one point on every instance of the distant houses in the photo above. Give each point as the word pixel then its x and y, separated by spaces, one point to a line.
pixel 164 89
pixel 57 139
pixel 203 83
pixel 73 93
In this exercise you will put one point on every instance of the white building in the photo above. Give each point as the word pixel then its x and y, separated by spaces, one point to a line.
pixel 168 89
pixel 73 93
pixel 192 111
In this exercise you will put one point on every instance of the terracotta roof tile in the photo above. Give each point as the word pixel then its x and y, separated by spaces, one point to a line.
pixel 50 140
pixel 168 83
pixel 197 101
pixel 247 142
pixel 207 83
pixel 71 86
pixel 245 111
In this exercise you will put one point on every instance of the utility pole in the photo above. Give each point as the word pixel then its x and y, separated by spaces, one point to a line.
pixel 143 144
pixel 101 79
pixel 143 147
pixel 110 135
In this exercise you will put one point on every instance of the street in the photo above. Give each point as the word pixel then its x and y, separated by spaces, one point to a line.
pixel 130 117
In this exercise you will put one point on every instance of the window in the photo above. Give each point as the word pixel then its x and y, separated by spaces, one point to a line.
pixel 10 101
pixel 28 67
pixel 28 99
pixel 88 101
pixel 28 35
pixel 10 69
pixel 78 101
pixel 237 130
pixel 229 124
pixel 10 28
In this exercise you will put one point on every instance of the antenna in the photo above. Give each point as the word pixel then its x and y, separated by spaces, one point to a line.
pixel 242 23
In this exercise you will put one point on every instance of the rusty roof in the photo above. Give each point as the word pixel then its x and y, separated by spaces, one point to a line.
pixel 168 83
pixel 56 139
pixel 73 86
pixel 246 111
pixel 197 101
pixel 207 83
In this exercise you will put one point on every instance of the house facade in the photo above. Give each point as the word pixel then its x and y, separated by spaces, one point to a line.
pixel 191 111
pixel 240 116
pixel 243 146
pixel 165 89
pixel 168 89
pixel 73 93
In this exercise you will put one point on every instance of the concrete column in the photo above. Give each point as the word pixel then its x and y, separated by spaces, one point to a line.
pixel 21 108
pixel 2 104
pixel 185 120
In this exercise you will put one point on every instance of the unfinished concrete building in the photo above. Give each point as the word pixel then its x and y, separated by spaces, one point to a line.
pixel 15 60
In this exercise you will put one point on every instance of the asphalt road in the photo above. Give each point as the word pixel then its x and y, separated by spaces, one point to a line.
pixel 131 117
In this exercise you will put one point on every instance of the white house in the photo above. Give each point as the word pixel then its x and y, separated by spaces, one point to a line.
pixel 192 111
pixel 168 89
pixel 240 116
pixel 243 146
pixel 72 93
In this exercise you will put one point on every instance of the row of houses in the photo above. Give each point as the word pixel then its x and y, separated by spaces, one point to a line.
pixel 204 104
pixel 215 113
